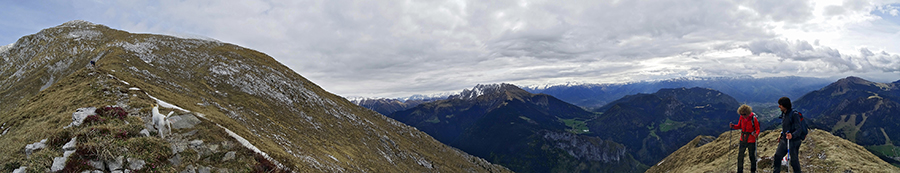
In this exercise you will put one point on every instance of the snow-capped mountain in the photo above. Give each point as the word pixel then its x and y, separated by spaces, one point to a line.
pixel 248 112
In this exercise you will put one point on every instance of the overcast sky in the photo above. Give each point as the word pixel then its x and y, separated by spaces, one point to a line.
pixel 387 48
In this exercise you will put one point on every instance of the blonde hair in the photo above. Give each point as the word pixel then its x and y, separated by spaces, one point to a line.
pixel 744 110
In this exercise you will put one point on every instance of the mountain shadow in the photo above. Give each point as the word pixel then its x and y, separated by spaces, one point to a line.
pixel 522 131
pixel 652 126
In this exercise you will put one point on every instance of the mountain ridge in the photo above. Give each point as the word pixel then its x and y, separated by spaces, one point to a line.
pixel 293 120
pixel 653 125
pixel 511 127
pixel 820 152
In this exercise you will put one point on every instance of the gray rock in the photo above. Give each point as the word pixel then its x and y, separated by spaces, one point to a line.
pixel 196 143
pixel 178 147
pixel 80 114
pixel 97 171
pixel 214 148
pixel 203 170
pixel 58 164
pixel 228 156
pixel 67 153
pixel 145 132
pixel 115 164
pixel 183 121
pixel 136 164
pixel 175 160
pixel 118 171
pixel 189 169
pixel 97 164
pixel 192 132
pixel 70 145
pixel 20 170
pixel 30 148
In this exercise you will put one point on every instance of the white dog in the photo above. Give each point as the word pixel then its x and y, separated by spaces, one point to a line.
pixel 160 121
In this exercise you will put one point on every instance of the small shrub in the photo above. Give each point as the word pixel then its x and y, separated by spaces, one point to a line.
pixel 93 119
pixel 110 111
pixel 60 138
pixel 10 166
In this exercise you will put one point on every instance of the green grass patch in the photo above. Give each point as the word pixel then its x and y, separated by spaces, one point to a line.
pixel 885 150
pixel 576 125
pixel 670 125
pixel 433 119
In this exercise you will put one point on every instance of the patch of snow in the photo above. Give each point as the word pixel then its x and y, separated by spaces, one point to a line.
pixel 167 104
pixel 250 146
pixel 49 82
pixel 332 157
pixel 133 88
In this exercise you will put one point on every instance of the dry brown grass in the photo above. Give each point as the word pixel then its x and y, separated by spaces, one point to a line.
pixel 820 152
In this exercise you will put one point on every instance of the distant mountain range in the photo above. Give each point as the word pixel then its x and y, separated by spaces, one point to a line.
pixel 522 131
pixel 744 89
pixel 654 125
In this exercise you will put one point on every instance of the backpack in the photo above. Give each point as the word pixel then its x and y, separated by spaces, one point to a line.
pixel 804 130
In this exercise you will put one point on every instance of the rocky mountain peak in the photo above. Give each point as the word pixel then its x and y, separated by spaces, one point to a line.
pixel 852 80
pixel 46 76
pixel 502 89
pixel 79 24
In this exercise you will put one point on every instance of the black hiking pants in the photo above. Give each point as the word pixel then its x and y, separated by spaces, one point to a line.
pixel 782 150
pixel 746 147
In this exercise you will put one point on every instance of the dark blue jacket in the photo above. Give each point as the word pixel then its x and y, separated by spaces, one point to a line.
pixel 790 123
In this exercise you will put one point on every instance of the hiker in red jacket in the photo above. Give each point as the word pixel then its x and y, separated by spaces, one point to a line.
pixel 749 126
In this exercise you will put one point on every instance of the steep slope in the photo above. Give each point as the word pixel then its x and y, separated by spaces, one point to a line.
pixel 858 110
pixel 744 89
pixel 262 102
pixel 654 125
pixel 522 131
pixel 820 152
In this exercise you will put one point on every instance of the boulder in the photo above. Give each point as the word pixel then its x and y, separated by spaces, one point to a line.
pixel 115 164
pixel 20 170
pixel 58 164
pixel 136 164
pixel 80 114
pixel 189 169
pixel 203 170
pixel 97 164
pixel 30 148
pixel 228 156
pixel 183 121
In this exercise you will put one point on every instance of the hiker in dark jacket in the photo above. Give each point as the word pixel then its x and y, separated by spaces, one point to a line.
pixel 749 126
pixel 790 136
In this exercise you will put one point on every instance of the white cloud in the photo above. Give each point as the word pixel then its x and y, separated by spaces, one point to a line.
pixel 398 48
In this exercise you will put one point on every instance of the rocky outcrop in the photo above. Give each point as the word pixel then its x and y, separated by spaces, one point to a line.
pixel 584 147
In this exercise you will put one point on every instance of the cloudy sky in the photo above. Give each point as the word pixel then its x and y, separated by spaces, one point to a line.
pixel 389 48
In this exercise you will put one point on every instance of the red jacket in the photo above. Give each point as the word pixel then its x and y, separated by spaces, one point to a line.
pixel 746 128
